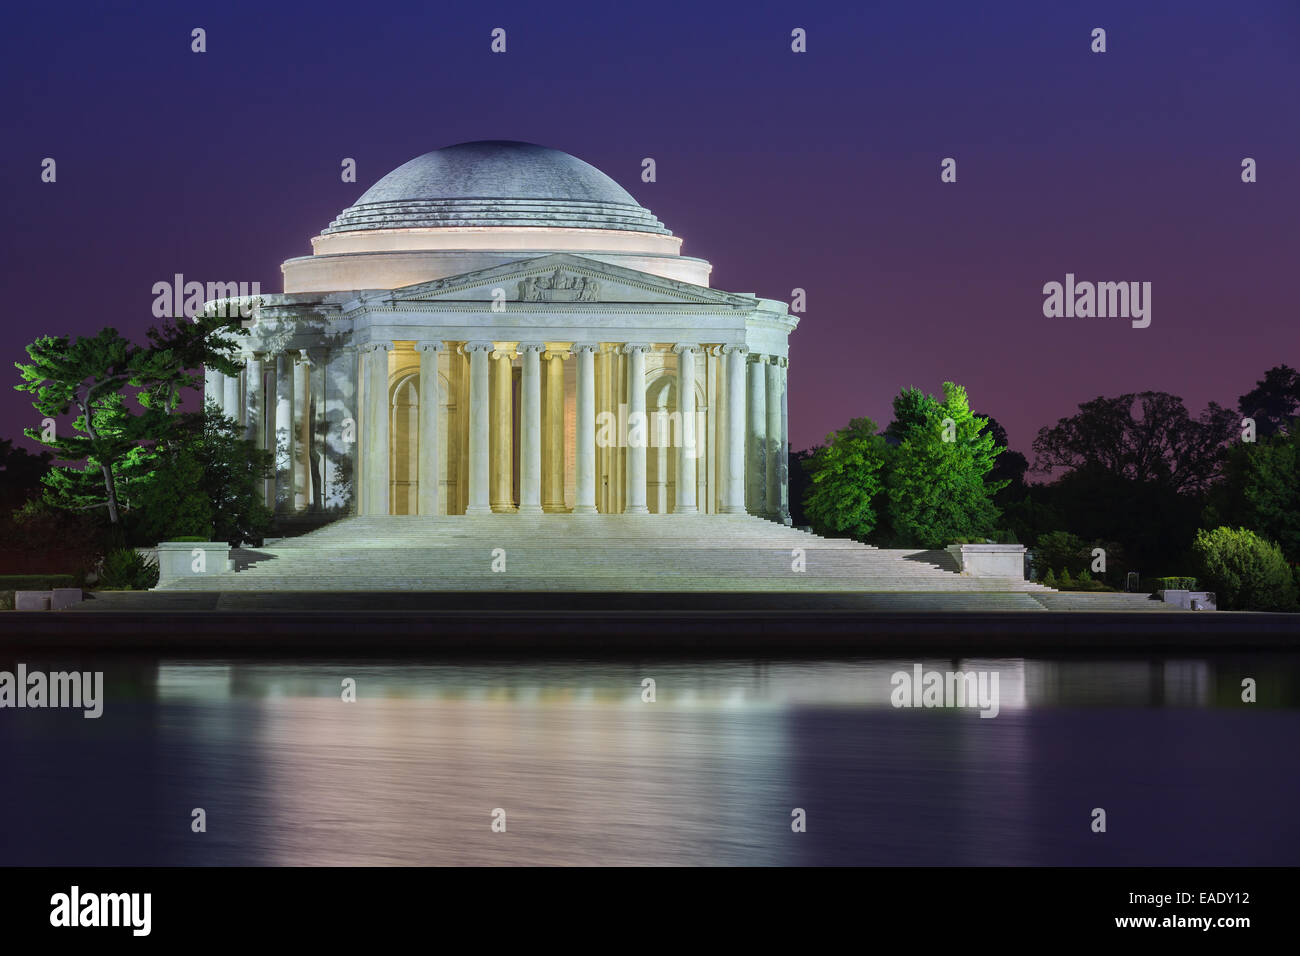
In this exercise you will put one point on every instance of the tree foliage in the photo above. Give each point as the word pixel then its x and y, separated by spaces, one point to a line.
pixel 1163 444
pixel 1261 490
pixel 845 480
pixel 91 375
pixel 1246 572
pixel 938 486
pixel 1273 402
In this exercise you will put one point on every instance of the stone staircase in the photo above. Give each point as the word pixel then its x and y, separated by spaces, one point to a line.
pixel 1102 601
pixel 674 553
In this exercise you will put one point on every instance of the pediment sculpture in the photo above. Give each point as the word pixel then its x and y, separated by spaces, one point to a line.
pixel 559 286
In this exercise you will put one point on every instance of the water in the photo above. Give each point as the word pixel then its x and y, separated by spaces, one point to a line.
pixel 709 773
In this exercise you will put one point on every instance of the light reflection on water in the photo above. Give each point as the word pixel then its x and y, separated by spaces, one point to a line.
pixel 708 773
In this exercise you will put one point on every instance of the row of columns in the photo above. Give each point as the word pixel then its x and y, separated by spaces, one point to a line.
pixel 753 445
pixel 271 401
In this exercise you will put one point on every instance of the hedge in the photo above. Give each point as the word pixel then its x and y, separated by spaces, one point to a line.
pixel 1173 584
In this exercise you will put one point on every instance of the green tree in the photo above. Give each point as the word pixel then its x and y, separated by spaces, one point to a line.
pixel 845 480
pixel 206 480
pixel 233 474
pixel 937 486
pixel 20 475
pixel 87 373
pixel 1273 402
pixel 1139 437
pixel 90 374
pixel 1246 572
pixel 1261 490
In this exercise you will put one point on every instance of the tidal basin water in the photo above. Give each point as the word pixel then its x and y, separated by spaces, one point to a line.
pixel 587 772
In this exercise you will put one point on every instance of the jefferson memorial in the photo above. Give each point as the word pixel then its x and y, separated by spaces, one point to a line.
pixel 499 327
pixel 496 371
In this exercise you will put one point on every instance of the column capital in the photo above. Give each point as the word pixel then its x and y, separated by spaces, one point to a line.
pixel 758 358
pixel 531 347
pixel 302 358
pixel 780 361
pixel 733 349
pixel 682 347
pixel 377 347
pixel 585 347
pixel 476 347
pixel 630 347
pixel 503 353
pixel 427 345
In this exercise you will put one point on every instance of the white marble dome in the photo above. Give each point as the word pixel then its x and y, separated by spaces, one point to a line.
pixel 476 205
pixel 496 183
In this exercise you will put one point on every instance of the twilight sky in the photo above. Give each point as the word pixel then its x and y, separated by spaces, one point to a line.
pixel 817 170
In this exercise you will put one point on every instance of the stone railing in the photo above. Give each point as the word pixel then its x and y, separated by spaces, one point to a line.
pixel 989 560
pixel 191 559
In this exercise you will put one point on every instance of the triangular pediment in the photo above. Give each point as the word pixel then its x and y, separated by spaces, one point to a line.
pixel 567 280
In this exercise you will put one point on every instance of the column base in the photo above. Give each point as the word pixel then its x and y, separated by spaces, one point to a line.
pixel 584 509
pixel 733 510
pixel 504 509
pixel 636 510
pixel 530 509
pixel 686 511
pixel 478 510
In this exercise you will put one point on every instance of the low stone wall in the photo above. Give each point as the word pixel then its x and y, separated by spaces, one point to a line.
pixel 54 600
pixel 1191 600
pixel 191 559
pixel 989 560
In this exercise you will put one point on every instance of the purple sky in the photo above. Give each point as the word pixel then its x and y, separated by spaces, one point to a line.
pixel 818 170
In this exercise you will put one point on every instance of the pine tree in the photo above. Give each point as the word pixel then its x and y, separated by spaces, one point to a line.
pixel 937 489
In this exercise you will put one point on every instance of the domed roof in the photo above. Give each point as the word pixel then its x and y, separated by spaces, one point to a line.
pixel 496 183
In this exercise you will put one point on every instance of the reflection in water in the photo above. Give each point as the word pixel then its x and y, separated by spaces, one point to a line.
pixel 589 773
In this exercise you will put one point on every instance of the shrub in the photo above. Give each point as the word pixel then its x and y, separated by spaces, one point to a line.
pixel 1085 577
pixel 1060 549
pixel 189 537
pixel 127 570
pixel 1172 584
pixel 1065 579
pixel 36 582
pixel 1049 579
pixel 1246 572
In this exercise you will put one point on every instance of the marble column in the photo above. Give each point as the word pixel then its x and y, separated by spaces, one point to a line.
pixel 374 431
pixel 270 412
pixel 553 440
pixel 756 438
pixel 638 430
pixel 775 442
pixel 585 490
pixel 253 401
pixel 301 445
pixel 230 406
pixel 284 433
pixel 734 497
pixel 785 441
pixel 530 429
pixel 688 452
pixel 479 441
pixel 502 431
pixel 430 439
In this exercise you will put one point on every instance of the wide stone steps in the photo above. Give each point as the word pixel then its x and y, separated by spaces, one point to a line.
pixel 1103 601
pixel 592 553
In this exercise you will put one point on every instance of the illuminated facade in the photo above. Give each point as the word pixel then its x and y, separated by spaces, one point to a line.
pixel 500 327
